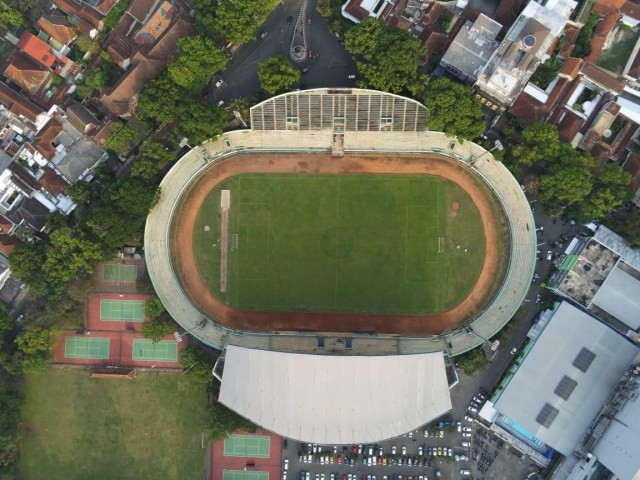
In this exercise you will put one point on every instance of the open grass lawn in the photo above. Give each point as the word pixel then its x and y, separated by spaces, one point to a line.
pixel 615 58
pixel 76 427
pixel 342 243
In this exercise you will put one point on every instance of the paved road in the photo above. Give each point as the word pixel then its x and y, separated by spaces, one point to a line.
pixel 330 66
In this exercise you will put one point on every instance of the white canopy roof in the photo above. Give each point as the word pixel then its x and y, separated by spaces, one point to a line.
pixel 335 399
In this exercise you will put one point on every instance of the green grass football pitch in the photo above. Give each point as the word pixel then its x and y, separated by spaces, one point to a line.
pixel 342 243
pixel 76 427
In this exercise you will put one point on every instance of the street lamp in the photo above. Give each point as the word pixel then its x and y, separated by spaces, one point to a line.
pixel 200 324
pixel 497 146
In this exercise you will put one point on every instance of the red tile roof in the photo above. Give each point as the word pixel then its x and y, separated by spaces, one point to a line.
pixel 27 73
pixel 81 10
pixel 569 125
pixel 632 165
pixel 571 67
pixel 43 142
pixel 57 27
pixel 605 25
pixel 8 243
pixel 6 225
pixel 41 52
pixel 631 9
pixel 19 105
pixel 528 108
pixel 602 78
pixel 52 182
pixel 603 7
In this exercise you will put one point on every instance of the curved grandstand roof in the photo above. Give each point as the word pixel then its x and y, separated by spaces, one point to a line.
pixel 522 241
pixel 335 399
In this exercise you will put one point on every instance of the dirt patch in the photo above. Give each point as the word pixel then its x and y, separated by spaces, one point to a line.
pixel 455 205
pixel 453 214
pixel 197 291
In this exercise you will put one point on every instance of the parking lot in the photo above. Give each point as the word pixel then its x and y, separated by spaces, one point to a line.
pixel 419 455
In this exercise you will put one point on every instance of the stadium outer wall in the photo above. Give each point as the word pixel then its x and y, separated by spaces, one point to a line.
pixel 484 325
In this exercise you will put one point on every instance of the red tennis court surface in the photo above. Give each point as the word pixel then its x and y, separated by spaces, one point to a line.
pixel 93 312
pixel 271 465
pixel 120 350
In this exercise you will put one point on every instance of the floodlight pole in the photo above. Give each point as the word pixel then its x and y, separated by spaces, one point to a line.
pixel 200 324
pixel 497 146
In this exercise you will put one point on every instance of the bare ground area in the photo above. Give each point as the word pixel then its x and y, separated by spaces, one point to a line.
pixel 419 325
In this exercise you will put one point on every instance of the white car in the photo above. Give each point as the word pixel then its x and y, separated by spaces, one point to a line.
pixel 441 433
pixel 284 475
pixel 286 464
pixel 472 409
pixel 449 452
pixel 467 429
pixel 459 425
pixel 463 457
pixel 549 255
pixel 393 450
pixel 321 459
pixel 466 434
pixel 219 83
pixel 465 472
pixel 468 418
pixel 404 450
pixel 465 444
pixel 514 350
pixel 322 476
pixel 374 461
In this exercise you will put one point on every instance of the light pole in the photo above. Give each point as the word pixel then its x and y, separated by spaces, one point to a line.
pixel 497 146
pixel 200 324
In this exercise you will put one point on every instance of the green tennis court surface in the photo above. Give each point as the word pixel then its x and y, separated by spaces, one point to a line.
pixel 114 272
pixel 244 475
pixel 122 310
pixel 83 347
pixel 163 351
pixel 246 446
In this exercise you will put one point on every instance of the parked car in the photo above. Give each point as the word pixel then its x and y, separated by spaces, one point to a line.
pixel 420 450
pixel 465 472
pixel 404 450
pixel 459 425
pixel 393 450
pixel 467 429
pixel 549 255
pixel 465 444
pixel 472 409
pixel 466 435
pixel 286 463
pixel 309 19
pixel 289 20
pixel 513 350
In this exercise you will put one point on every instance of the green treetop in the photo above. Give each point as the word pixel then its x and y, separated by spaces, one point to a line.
pixel 277 74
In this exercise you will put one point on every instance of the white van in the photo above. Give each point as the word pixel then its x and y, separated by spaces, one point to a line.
pixel 465 472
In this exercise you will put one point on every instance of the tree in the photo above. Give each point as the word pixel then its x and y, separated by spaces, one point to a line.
pixel 237 20
pixel 121 140
pixel 198 61
pixel 204 17
pixel 323 7
pixel 35 339
pixel 10 17
pixel 199 122
pixel 546 72
pixel 80 192
pixel 610 190
pixel 69 255
pixel 98 78
pixel 471 361
pixel 109 226
pixel 276 74
pixel 154 156
pixel 160 98
pixel 115 14
pixel 222 421
pixel 453 109
pixel 158 328
pixel 388 58
pixel 564 186
pixel 628 226
pixel 539 142
pixel 154 308
pixel 197 363
pixel 583 42
pixel 26 262
pixel 134 196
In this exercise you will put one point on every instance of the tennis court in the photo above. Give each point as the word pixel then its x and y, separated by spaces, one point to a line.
pixel 119 273
pixel 83 347
pixel 122 310
pixel 244 475
pixel 163 351
pixel 247 446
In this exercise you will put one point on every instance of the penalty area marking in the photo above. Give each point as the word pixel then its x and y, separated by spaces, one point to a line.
pixel 225 203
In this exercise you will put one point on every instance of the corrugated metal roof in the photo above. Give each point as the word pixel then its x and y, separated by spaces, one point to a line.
pixel 619 296
pixel 335 399
pixel 552 358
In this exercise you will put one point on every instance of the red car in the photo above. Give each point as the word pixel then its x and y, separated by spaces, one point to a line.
pixel 339 459
pixel 309 19
pixel 310 53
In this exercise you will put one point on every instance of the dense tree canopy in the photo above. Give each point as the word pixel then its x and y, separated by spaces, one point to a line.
pixel 276 74
pixel 198 122
pixel 237 20
pixel 10 17
pixel 122 138
pixel 222 421
pixel 453 109
pixel 26 262
pixel 70 254
pixel 388 58
pixel 35 339
pixel 197 363
pixel 204 17
pixel 610 190
pixel 157 328
pixel 160 97
pixel 198 61
pixel 539 142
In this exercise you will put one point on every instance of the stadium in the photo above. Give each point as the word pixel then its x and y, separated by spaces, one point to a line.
pixel 336 234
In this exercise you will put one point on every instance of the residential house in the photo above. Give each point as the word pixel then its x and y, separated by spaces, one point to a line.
pixel 523 49
pixel 43 54
pixel 56 29
pixel 471 49
pixel 84 17
pixel 26 73
pixel 145 63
